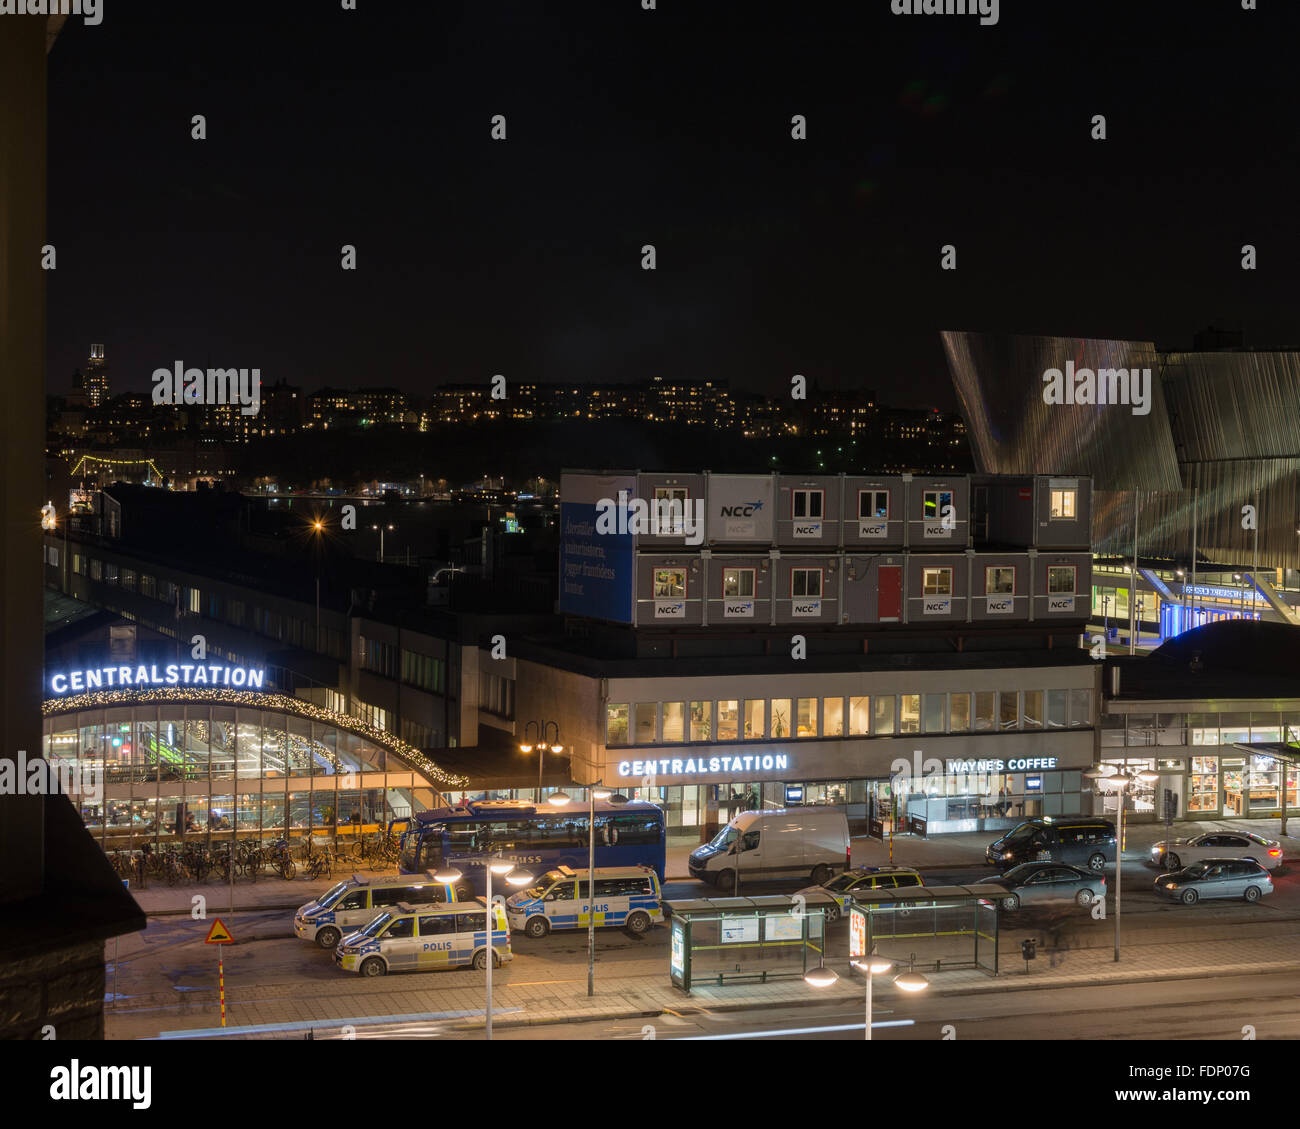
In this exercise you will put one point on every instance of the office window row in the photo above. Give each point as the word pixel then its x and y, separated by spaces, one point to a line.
pixel 423 671
pixel 671 583
pixel 264 621
pixel 879 715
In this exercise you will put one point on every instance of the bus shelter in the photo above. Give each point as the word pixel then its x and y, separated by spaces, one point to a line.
pixel 932 927
pixel 715 940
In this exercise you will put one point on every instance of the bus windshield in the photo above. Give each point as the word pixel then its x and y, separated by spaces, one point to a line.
pixel 421 849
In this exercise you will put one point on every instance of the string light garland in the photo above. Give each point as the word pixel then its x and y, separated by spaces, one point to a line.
pixel 117 462
pixel 296 707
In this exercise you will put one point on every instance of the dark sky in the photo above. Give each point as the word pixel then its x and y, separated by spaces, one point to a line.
pixel 669 127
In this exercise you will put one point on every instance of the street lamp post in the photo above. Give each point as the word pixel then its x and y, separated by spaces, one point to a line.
pixel 494 865
pixel 527 746
pixel 871 967
pixel 1120 782
pixel 381 529
pixel 318 527
pixel 597 791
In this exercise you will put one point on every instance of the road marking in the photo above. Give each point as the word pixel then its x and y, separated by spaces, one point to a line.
pixel 801 1031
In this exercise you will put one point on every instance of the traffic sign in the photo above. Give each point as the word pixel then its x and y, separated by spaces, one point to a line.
pixel 219 935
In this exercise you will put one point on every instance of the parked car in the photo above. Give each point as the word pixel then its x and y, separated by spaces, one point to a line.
pixel 1174 854
pixel 840 888
pixel 1075 840
pixel 1048 883
pixel 1216 878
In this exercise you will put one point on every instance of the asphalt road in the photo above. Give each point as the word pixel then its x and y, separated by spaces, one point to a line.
pixel 1165 1010
pixel 164 978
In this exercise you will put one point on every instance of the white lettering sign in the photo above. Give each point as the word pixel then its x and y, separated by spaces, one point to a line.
pixel 735 766
pixel 173 674
pixel 1060 603
pixel 936 607
pixel 805 609
pixel 876 529
pixel 737 609
pixel 1000 605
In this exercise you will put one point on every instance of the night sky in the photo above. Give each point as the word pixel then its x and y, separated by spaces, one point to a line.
pixel 669 127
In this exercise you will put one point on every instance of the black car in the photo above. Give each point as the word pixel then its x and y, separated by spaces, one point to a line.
pixel 1077 841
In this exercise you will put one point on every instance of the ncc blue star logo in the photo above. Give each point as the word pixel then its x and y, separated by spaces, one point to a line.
pixel 757 505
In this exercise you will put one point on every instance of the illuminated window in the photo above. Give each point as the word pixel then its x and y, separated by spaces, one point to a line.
pixel 937 581
pixel 1063 504
pixel 616 724
pixel 669 583
pixel 1000 581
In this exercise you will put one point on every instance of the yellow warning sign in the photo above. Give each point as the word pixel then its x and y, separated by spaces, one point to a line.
pixel 219 934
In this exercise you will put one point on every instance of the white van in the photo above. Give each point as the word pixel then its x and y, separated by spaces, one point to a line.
pixel 804 843
pixel 348 906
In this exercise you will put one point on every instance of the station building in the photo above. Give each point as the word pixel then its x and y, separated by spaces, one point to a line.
pixel 905 647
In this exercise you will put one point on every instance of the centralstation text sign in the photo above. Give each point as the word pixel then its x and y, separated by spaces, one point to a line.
pixel 699 766
pixel 173 674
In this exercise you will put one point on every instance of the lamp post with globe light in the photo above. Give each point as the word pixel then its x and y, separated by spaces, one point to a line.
pixel 527 746
pixel 493 865
pixel 596 792
pixel 871 966
pixel 1119 782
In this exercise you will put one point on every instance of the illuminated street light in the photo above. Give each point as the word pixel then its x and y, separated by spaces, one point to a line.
pixel 1107 777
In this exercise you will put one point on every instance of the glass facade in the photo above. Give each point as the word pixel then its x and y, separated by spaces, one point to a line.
pixel 1221 778
pixel 201 772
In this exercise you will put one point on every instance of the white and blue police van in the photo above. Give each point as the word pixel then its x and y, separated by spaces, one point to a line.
pixel 627 896
pixel 426 938
pixel 351 904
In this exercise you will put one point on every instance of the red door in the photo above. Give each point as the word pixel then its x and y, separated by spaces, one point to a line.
pixel 889 594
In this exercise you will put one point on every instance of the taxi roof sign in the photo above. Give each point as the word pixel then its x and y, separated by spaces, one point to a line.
pixel 219 935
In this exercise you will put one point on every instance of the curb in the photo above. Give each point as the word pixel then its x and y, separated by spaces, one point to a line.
pixel 690 1006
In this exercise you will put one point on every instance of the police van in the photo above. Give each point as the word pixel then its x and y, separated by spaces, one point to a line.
pixel 425 938
pixel 625 895
pixel 349 905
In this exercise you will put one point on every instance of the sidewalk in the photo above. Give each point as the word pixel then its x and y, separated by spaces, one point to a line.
pixel 649 998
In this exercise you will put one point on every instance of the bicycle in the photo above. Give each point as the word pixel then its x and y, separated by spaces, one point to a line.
pixel 321 865
pixel 281 860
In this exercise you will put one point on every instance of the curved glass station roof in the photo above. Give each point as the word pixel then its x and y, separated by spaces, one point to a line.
pixel 186 761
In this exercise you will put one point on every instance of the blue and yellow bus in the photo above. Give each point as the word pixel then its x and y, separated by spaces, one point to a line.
pixel 537 837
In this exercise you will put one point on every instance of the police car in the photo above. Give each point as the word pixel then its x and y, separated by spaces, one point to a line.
pixel 345 908
pixel 625 895
pixel 424 938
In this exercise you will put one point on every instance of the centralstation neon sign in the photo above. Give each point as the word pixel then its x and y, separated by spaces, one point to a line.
pixel 173 674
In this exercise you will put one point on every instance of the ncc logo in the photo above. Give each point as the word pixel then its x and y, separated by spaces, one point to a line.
pixel 744 509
